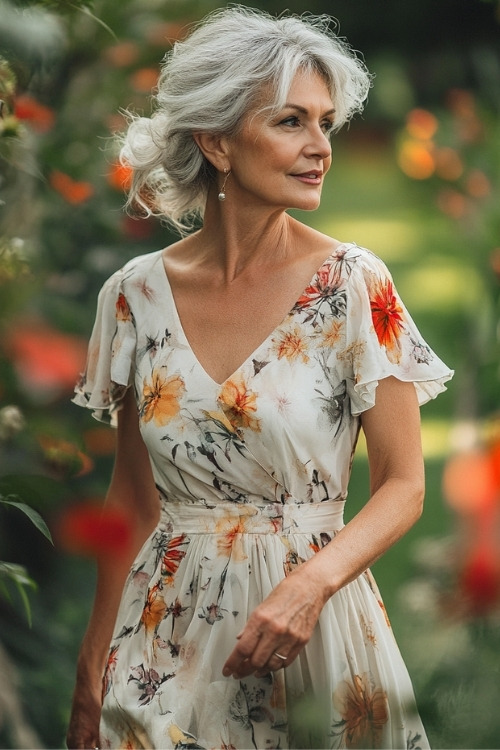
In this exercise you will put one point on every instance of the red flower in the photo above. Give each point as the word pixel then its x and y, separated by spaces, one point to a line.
pixel 387 316
pixel 172 557
pixel 40 117
pixel 471 483
pixel 95 531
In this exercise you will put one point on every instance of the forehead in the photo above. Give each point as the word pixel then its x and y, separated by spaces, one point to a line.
pixel 307 89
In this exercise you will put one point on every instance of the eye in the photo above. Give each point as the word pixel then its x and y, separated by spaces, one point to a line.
pixel 292 121
pixel 327 127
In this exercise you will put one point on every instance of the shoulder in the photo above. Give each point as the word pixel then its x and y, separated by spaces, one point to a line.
pixel 359 269
pixel 362 259
pixel 134 270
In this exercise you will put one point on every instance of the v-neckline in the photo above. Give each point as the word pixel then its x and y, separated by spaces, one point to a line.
pixel 254 353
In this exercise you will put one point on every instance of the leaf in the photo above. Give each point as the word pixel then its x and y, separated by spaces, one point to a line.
pixel 17 575
pixel 33 515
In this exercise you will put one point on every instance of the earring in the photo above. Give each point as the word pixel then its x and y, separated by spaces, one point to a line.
pixel 222 194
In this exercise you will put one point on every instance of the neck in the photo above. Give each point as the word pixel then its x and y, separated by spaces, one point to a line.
pixel 236 239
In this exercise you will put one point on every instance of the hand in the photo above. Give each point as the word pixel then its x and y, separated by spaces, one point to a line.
pixel 279 627
pixel 83 730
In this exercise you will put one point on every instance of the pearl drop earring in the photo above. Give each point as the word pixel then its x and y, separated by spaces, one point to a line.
pixel 222 194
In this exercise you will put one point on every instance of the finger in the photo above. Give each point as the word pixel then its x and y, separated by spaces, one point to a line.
pixel 242 652
pixel 275 662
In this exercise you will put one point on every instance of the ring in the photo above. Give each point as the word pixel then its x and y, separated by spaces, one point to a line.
pixel 280 656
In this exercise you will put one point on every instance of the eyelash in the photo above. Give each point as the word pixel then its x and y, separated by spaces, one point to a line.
pixel 327 125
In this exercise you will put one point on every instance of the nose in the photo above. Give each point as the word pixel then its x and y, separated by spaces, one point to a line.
pixel 318 145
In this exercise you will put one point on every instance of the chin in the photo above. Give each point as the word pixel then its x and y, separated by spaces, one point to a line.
pixel 310 205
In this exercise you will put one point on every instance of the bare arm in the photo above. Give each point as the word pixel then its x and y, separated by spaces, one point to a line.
pixel 284 622
pixel 132 489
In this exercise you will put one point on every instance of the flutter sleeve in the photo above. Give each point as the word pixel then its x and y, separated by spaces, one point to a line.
pixel 382 339
pixel 111 354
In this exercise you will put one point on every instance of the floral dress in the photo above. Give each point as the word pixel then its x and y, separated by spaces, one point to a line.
pixel 252 476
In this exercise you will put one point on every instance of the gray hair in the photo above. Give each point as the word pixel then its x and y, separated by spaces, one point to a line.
pixel 210 81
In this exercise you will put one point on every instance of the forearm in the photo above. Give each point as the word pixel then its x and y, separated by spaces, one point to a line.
pixel 112 572
pixel 389 514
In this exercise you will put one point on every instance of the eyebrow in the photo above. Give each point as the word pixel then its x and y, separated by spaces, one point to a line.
pixel 304 111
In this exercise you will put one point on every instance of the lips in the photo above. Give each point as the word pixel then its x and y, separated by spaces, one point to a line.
pixel 312 175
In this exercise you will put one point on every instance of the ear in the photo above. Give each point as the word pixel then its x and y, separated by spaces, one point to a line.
pixel 214 148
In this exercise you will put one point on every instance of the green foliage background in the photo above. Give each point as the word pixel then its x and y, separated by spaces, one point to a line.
pixel 84 62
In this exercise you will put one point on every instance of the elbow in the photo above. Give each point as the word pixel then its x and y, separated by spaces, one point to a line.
pixel 416 495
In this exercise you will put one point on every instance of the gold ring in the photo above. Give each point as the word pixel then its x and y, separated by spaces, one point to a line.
pixel 280 656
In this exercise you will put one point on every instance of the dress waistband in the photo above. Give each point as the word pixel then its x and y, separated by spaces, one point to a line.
pixel 271 518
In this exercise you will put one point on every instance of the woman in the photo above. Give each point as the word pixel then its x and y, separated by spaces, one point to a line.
pixel 239 364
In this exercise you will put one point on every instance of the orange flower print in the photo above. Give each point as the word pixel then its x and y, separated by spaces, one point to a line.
pixel 229 542
pixel 332 334
pixel 364 712
pixel 161 397
pixel 292 345
pixel 154 609
pixel 239 405
pixel 122 310
pixel 172 558
pixel 109 671
pixel 387 316
pixel 326 284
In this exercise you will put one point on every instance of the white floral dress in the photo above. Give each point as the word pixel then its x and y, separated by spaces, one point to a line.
pixel 252 476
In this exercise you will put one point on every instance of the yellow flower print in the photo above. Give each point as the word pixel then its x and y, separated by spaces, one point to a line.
pixel 332 334
pixel 239 404
pixel 364 712
pixel 291 345
pixel 161 397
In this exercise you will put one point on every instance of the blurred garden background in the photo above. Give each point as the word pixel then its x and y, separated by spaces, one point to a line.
pixel 416 179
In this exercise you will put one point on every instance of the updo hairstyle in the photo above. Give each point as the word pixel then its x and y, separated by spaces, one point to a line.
pixel 210 81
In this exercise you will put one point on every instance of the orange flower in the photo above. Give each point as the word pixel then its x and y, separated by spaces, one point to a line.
pixel 161 398
pixel 416 159
pixel 239 404
pixel 364 712
pixel 144 79
pixel 421 124
pixel 46 359
pixel 387 316
pixel 120 176
pixel 172 558
pixel 40 117
pixel 71 190
pixel 291 345
pixel 122 308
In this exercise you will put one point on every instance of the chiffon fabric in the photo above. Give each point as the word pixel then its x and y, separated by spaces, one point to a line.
pixel 252 476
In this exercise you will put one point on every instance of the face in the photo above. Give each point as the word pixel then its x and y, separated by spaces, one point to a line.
pixel 281 163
